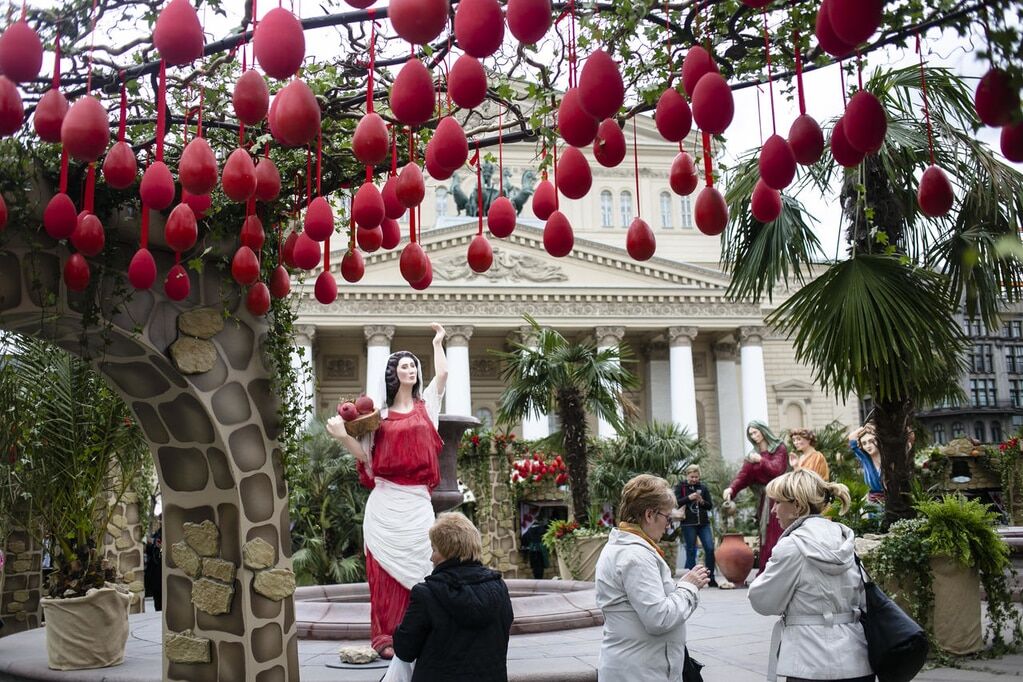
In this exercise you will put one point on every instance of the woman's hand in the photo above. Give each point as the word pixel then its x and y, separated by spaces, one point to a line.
pixel 438 337
pixel 754 458
pixel 336 428
pixel 727 494
pixel 698 576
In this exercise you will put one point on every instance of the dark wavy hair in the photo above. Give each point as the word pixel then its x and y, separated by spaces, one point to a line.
pixel 391 381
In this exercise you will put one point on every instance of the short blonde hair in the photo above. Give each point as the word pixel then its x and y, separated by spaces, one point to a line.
pixel 454 537
pixel 693 467
pixel 810 493
pixel 641 493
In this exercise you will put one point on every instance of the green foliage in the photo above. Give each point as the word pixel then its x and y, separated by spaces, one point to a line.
pixel 862 516
pixel 964 530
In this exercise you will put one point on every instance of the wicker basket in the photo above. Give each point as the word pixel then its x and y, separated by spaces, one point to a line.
pixel 364 424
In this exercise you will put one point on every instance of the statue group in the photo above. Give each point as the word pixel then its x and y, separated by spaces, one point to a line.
pixel 469 204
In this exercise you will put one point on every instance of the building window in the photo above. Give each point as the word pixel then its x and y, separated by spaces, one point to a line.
pixel 666 221
pixel 996 432
pixel 974 328
pixel 939 434
pixel 686 213
pixel 978 431
pixel 1016 327
pixel 957 430
pixel 1016 392
pixel 346 206
pixel 441 197
pixel 983 393
pixel 625 206
pixel 606 209
pixel 1014 359
pixel 486 418
pixel 981 359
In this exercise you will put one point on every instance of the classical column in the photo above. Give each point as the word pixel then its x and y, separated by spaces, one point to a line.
pixel 458 397
pixel 378 348
pixel 729 415
pixel 683 388
pixel 658 381
pixel 754 383
pixel 533 426
pixel 304 366
pixel 608 337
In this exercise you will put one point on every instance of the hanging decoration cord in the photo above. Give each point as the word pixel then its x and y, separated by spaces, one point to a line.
pixel 799 73
pixel 123 111
pixel 923 89
pixel 475 161
pixel 635 163
pixel 770 80
pixel 372 61
pixel 500 152
pixel 161 114
pixel 707 167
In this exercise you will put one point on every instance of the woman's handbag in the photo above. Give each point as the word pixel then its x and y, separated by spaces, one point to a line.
pixel 896 644
pixel 691 669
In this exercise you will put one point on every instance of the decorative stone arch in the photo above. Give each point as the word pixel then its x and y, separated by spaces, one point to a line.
pixel 794 404
pixel 213 438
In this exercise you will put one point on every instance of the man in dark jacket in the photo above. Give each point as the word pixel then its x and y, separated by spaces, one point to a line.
pixel 458 621
pixel 694 498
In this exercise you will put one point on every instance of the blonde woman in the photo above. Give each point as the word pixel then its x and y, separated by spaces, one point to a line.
pixel 645 611
pixel 812 582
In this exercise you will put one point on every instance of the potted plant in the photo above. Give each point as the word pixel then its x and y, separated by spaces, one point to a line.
pixel 577 548
pixel 73 462
pixel 1008 462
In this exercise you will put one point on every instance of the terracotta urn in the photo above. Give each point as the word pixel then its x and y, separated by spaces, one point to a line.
pixel 734 557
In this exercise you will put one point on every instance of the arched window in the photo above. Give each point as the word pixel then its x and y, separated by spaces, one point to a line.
pixel 996 432
pixel 939 434
pixel 957 430
pixel 625 206
pixel 686 213
pixel 666 217
pixel 979 432
pixel 607 212
pixel 441 197
pixel 486 418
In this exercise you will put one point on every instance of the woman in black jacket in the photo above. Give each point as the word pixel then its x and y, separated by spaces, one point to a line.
pixel 694 497
pixel 458 620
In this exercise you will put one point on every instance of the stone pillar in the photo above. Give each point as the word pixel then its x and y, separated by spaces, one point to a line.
pixel 302 362
pixel 19 598
pixel 534 426
pixel 754 382
pixel 458 396
pixel 658 381
pixel 378 349
pixel 729 415
pixel 608 337
pixel 683 388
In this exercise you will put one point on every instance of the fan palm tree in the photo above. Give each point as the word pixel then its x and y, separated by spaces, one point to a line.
pixel 549 373
pixel 881 321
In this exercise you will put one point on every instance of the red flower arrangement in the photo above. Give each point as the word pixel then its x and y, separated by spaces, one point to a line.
pixel 536 470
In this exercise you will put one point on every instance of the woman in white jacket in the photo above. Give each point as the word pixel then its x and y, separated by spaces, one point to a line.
pixel 645 611
pixel 812 582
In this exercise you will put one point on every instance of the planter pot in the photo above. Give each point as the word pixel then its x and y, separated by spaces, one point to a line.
pixel 734 557
pixel 87 632
pixel 956 617
pixel 577 557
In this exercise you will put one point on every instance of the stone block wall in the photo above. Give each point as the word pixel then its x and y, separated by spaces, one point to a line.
pixel 21 583
pixel 123 547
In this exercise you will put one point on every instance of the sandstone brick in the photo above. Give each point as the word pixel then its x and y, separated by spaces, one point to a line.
pixel 275 583
pixel 212 597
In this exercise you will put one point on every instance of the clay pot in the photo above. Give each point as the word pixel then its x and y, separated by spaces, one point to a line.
pixel 734 557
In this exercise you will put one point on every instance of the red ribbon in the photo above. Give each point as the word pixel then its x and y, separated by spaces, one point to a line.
pixel 799 74
pixel 479 189
pixel 770 81
pixel 90 187
pixel 161 115
pixel 707 164
pixel 635 161
pixel 124 109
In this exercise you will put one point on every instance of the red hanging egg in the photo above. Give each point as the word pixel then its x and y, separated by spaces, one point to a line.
pixel 545 200
pixel 181 230
pixel 765 204
pixel 845 154
pixel 157 186
pixel 60 217
pixel 865 122
pixel 935 194
pixel 1012 142
pixel 640 241
pixel 713 106
pixel 251 98
pixel 558 239
pixel 258 299
pixel 434 167
pixel 49 116
pixel 576 126
pixel 86 131
pixel 452 147
pixel 609 146
pixel 360 4
pixel 501 218
pixel 297 117
pixel 288 251
pixel 854 21
pixel 368 206
pixel 480 255
pixel 574 176
pixel 370 144
pixel 683 177
pixel 76 272
pixel 12 111
pixel 245 266
pixel 307 253
pixel 412 93
pixel 268 179
pixel 369 239
pixel 806 140
pixel 142 269
pixel 996 99
pixel 427 279
pixel 280 282
pixel 418 21
pixel 353 266
pixel 777 163
pixel 199 203
pixel 479 27
pixel 119 167
pixel 279 43
pixel 21 52
pixel 197 169
pixel 319 220
pixel 410 188
pixel 3 213
pixel 673 117
pixel 325 288
pixel 177 284
pixel 412 262
pixel 601 90
pixel 696 65
pixel 252 234
pixel 393 208
pixel 391 233
pixel 88 236
pixel 710 211
pixel 239 177
pixel 467 82
pixel 528 20
pixel 826 36
pixel 177 35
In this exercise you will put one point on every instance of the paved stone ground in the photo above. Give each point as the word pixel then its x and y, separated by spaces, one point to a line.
pixel 724 634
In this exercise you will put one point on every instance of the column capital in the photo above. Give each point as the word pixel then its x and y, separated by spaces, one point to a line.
pixel 725 349
pixel 459 335
pixel 752 336
pixel 378 334
pixel 609 336
pixel 304 334
pixel 682 336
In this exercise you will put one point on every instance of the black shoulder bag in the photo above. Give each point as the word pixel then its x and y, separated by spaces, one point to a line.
pixel 691 669
pixel 896 645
